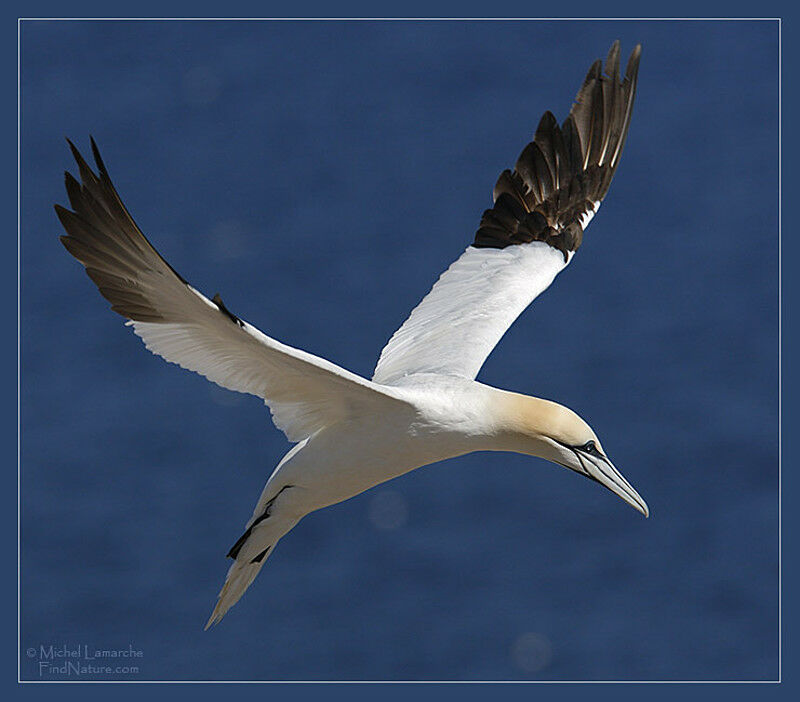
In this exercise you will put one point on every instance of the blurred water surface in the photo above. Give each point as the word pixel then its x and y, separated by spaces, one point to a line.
pixel 320 175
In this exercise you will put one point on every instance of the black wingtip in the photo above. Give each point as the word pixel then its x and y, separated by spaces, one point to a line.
pixel 81 161
pixel 97 158
pixel 86 171
pixel 546 125
pixel 563 173
pixel 547 121
pixel 612 61
pixel 74 149
pixel 69 179
pixel 632 69
pixel 594 71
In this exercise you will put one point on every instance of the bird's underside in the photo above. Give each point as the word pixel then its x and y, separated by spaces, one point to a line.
pixel 422 401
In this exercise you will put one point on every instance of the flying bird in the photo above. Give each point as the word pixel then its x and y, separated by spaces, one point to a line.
pixel 423 403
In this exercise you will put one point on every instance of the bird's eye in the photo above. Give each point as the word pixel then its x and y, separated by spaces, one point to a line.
pixel 590 447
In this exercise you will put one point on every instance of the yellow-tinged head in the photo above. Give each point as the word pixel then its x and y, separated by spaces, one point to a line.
pixel 551 431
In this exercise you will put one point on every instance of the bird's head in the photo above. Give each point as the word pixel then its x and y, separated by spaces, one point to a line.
pixel 551 431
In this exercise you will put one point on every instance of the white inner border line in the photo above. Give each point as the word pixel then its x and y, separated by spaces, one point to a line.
pixel 779 20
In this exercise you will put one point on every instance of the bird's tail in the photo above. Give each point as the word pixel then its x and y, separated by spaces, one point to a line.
pixel 266 527
pixel 240 576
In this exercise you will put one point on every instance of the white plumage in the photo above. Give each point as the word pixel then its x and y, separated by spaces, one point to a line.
pixel 474 302
pixel 423 403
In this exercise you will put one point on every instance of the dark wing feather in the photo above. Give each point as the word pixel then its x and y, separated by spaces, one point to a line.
pixel 304 393
pixel 565 172
pixel 102 235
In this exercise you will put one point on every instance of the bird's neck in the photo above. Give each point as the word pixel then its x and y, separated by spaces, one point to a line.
pixel 518 422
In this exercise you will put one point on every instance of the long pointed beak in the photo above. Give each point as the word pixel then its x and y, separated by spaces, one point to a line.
pixel 601 470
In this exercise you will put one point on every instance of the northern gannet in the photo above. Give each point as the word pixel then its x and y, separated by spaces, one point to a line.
pixel 423 403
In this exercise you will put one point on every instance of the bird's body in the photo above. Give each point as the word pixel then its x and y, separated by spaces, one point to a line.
pixel 423 403
pixel 434 418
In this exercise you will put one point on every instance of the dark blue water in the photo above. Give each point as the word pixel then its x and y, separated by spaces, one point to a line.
pixel 320 176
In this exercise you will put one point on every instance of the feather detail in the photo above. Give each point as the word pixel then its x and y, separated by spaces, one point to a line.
pixel 565 172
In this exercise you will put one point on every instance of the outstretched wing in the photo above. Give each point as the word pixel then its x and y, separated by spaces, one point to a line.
pixel 304 392
pixel 541 209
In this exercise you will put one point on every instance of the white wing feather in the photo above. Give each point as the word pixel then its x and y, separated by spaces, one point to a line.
pixel 474 302
pixel 305 393
pixel 540 212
